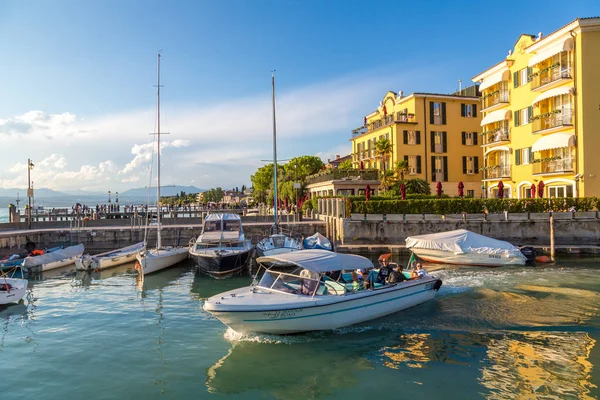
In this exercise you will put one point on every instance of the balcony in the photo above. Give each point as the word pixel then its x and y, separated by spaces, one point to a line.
pixel 550 166
pixel 552 121
pixel 496 136
pixel 340 174
pixel 398 118
pixel 550 77
pixel 497 172
pixel 494 100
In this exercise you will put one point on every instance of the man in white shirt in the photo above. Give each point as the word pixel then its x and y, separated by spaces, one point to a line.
pixel 420 271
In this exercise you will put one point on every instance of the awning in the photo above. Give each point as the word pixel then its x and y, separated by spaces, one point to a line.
pixel 562 45
pixel 496 77
pixel 495 116
pixel 559 91
pixel 497 148
pixel 554 141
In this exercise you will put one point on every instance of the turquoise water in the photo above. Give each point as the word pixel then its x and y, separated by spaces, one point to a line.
pixel 519 332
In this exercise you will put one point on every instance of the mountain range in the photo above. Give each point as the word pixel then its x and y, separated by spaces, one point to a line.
pixel 44 193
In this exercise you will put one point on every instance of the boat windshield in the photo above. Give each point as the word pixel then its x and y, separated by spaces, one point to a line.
pixel 231 226
pixel 305 283
pixel 211 226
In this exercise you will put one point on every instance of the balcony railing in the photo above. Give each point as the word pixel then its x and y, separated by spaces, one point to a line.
pixel 498 171
pixel 397 118
pixel 496 136
pixel 501 96
pixel 554 166
pixel 343 174
pixel 552 121
pixel 550 76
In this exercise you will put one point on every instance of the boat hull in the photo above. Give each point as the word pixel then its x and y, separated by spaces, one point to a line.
pixel 277 244
pixel 15 292
pixel 475 259
pixel 325 312
pixel 219 263
pixel 154 260
pixel 53 260
pixel 108 260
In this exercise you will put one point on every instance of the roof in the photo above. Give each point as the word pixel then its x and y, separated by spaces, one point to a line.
pixel 318 260
pixel 222 216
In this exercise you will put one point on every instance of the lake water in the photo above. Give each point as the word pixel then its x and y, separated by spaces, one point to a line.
pixel 518 332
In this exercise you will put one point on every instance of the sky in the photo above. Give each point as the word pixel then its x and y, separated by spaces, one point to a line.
pixel 78 93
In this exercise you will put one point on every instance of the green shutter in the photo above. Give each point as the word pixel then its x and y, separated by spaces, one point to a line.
pixel 475 134
pixel 517 156
pixel 431 112
pixel 516 78
pixel 517 114
pixel 432 141
pixel 444 113
pixel 464 139
pixel 530 114
pixel 432 168
pixel 463 109
pixel 464 165
pixel 476 165
pixel 418 135
pixel 445 160
pixel 474 110
pixel 444 143
pixel 418 164
pixel 405 137
pixel 529 72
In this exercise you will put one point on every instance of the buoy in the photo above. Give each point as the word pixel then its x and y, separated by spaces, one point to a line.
pixel 543 259
pixel 137 265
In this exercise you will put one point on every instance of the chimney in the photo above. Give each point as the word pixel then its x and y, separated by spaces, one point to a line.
pixel 337 156
pixel 400 93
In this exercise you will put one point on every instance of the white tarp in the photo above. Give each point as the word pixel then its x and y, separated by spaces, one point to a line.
pixel 317 241
pixel 460 241
pixel 58 255
pixel 319 260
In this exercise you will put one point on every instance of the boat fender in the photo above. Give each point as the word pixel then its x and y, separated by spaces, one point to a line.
pixel 437 285
pixel 543 259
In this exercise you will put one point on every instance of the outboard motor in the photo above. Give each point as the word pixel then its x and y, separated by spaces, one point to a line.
pixel 529 253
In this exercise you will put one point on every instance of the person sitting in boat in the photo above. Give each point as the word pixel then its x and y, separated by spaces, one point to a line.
pixel 396 275
pixel 364 276
pixel 413 273
pixel 308 282
pixel 357 283
pixel 334 275
pixel 384 271
pixel 420 271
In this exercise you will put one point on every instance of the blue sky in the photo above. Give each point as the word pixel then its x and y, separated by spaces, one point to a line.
pixel 78 96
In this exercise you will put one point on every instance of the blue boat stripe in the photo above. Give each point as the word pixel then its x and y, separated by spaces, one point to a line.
pixel 334 312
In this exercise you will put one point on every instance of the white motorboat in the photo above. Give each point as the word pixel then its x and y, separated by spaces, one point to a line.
pixel 56 259
pixel 12 290
pixel 222 247
pixel 160 257
pixel 277 242
pixel 109 259
pixel 308 300
pixel 464 247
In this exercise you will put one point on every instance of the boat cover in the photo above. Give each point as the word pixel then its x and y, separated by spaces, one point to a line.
pixel 460 241
pixel 318 260
pixel 57 255
pixel 317 241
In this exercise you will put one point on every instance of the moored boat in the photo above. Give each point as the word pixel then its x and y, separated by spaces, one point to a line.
pixel 12 290
pixel 464 247
pixel 317 241
pixel 56 259
pixel 308 300
pixel 222 248
pixel 109 259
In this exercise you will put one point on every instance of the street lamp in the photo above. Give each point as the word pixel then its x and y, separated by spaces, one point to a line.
pixel 117 197
pixel 109 197
pixel 29 191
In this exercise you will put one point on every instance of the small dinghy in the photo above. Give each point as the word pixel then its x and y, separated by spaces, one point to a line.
pixel 109 259
pixel 12 290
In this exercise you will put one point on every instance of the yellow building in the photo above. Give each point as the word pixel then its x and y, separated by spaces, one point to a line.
pixel 541 123
pixel 437 134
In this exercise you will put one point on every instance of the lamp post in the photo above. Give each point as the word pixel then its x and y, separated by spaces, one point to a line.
pixel 29 191
pixel 117 197
pixel 109 197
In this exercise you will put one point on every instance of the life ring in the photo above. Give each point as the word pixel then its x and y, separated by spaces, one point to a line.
pixel 543 259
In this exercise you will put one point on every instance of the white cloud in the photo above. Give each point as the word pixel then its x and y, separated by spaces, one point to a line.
pixel 37 121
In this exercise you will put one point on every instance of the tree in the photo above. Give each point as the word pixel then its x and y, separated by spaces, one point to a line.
pixel 262 180
pixel 383 149
pixel 387 179
pixel 401 168
pixel 345 165
pixel 417 186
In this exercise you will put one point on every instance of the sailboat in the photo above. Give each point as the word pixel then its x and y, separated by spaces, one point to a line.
pixel 277 242
pixel 161 257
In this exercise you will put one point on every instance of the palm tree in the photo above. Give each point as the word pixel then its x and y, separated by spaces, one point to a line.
pixel 401 168
pixel 383 149
pixel 387 179
pixel 417 186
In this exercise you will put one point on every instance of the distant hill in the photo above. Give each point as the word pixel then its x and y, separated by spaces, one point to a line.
pixel 164 191
pixel 39 193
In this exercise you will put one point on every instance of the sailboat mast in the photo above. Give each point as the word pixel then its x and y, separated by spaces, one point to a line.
pixel 274 155
pixel 158 236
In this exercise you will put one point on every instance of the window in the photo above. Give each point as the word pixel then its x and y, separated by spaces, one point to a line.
pixel 470 165
pixel 470 193
pixel 521 77
pixel 414 164
pixel 468 110
pixel 469 138
pixel 521 117
pixel 560 191
pixel 439 143
pixel 437 113
pixel 439 168
pixel 412 137
pixel 526 155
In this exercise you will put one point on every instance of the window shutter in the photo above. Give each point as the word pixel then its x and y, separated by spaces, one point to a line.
pixel 405 137
pixel 475 134
pixel 432 141
pixel 517 114
pixel 530 114
pixel 529 72
pixel 444 113
pixel 432 168
pixel 463 109
pixel 405 158
pixel 476 165
pixel 418 134
pixel 418 164
pixel 444 143
pixel 431 112
pixel 464 165
pixel 474 110
pixel 516 78
pixel 517 156
pixel 445 168
pixel 464 139
pixel 530 154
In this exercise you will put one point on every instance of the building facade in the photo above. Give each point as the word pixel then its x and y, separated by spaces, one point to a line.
pixel 437 134
pixel 541 115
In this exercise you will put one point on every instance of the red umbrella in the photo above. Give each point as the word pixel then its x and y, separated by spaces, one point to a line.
pixel 384 111
pixel 362 166
pixel 368 193
pixel 365 121
pixel 500 190
pixel 438 189
pixel 533 190
pixel 541 189
pixel 403 191
pixel 461 186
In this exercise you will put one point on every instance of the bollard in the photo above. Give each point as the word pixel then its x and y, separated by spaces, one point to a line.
pixel 551 236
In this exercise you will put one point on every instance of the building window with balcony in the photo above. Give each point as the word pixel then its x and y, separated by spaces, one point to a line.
pixel 439 168
pixel 411 137
pixel 554 112
pixel 469 138
pixel 470 165
pixel 554 161
pixel 414 164
pixel 496 94
pixel 439 144
pixel 523 116
pixel 552 69
pixel 497 165
pixel 468 110
pixel 437 113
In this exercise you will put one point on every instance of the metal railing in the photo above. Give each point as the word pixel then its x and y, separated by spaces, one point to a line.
pixel 500 97
pixel 350 174
pixel 501 171
pixel 501 135
pixel 552 121
pixel 549 167
pixel 550 76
